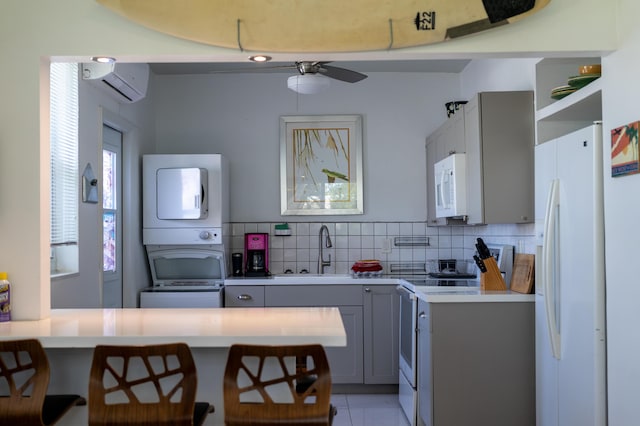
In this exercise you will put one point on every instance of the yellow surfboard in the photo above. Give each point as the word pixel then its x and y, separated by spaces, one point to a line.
pixel 322 25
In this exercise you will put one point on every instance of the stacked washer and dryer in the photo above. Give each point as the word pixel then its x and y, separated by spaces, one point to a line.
pixel 185 206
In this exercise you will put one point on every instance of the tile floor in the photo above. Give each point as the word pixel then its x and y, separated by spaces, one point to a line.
pixel 368 410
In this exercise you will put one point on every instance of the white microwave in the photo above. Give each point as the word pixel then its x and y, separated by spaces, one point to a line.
pixel 451 186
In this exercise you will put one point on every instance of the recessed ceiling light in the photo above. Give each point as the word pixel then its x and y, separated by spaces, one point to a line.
pixel 260 58
pixel 103 59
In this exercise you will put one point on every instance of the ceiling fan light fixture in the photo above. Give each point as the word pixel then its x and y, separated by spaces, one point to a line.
pixel 308 84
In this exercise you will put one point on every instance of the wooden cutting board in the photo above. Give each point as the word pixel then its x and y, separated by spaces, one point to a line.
pixel 322 25
pixel 523 275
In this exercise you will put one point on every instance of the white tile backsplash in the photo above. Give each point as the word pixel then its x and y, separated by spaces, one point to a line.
pixel 353 241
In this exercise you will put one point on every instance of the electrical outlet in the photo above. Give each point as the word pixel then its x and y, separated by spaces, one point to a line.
pixel 386 246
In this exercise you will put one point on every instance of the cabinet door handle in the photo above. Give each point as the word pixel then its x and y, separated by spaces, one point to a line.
pixel 244 297
pixel 367 290
pixel 422 315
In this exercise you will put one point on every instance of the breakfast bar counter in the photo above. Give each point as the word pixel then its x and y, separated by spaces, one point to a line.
pixel 203 328
pixel 69 336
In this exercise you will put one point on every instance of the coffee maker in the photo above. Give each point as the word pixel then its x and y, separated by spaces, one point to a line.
pixel 256 253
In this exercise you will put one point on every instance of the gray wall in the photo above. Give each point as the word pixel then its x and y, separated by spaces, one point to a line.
pixel 238 116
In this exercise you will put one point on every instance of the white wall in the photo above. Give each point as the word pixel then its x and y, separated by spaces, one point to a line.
pixel 32 32
pixel 36 30
pixel 84 289
pixel 486 75
pixel 238 116
pixel 622 213
pixel 79 29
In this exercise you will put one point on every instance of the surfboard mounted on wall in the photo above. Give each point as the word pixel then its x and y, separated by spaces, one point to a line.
pixel 322 25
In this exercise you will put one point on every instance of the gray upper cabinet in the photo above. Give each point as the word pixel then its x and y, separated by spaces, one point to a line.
pixel 448 139
pixel 498 138
pixel 432 158
pixel 499 134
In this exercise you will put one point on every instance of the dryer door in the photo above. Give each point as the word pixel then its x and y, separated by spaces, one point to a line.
pixel 181 193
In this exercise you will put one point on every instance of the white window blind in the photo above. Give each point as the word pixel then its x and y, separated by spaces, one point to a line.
pixel 64 154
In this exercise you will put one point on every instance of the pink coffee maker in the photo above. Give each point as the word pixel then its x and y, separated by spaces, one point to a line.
pixel 256 253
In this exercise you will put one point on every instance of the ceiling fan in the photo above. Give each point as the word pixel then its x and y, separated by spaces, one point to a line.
pixel 311 77
pixel 342 74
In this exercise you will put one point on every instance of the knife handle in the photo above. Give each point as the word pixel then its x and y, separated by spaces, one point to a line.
pixel 480 263
pixel 483 250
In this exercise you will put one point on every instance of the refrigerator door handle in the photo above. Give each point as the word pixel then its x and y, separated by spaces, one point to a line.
pixel 548 255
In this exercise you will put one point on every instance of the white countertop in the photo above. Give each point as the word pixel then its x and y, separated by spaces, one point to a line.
pixel 471 295
pixel 210 328
pixel 430 294
pixel 308 279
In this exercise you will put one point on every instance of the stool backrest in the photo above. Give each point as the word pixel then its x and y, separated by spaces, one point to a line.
pixel 268 385
pixel 24 378
pixel 154 384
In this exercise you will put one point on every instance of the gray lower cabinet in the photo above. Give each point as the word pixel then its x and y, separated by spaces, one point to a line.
pixel 345 362
pixel 370 316
pixel 476 364
pixel 381 328
pixel 244 296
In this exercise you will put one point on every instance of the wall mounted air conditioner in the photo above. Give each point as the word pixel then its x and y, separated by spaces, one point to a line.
pixel 126 82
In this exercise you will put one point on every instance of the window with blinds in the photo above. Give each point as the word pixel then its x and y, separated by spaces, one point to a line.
pixel 64 168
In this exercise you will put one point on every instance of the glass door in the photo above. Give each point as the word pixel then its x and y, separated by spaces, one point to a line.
pixel 111 217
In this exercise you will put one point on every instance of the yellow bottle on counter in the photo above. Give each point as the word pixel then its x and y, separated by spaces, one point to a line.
pixel 5 298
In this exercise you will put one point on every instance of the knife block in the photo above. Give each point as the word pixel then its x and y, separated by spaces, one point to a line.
pixel 492 279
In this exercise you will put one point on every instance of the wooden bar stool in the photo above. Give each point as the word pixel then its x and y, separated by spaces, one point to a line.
pixel 277 385
pixel 24 379
pixel 145 385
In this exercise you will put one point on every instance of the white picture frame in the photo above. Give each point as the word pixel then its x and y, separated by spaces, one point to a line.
pixel 321 165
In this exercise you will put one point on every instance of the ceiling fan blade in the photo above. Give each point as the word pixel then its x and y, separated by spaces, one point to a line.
pixel 235 68
pixel 341 74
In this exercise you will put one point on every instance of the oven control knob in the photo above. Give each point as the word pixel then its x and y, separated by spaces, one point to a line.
pixel 205 235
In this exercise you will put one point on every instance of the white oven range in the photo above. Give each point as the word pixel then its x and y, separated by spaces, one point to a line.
pixel 408 359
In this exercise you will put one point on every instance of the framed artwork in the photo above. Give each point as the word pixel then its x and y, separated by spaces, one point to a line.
pixel 321 165
pixel 624 150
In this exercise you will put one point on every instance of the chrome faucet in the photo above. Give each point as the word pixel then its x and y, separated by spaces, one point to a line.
pixel 321 262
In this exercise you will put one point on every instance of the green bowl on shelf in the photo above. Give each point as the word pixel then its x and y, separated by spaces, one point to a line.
pixel 562 91
pixel 579 81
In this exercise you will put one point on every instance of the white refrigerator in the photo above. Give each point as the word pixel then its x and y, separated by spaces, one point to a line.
pixel 570 286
